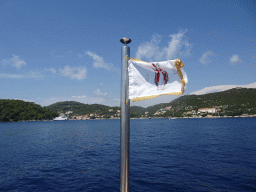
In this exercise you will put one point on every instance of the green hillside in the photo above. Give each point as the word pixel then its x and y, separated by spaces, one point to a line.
pixel 18 110
pixel 232 102
pixel 136 111
pixel 78 108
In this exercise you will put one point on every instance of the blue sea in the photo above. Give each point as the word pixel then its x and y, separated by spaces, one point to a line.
pixel 165 155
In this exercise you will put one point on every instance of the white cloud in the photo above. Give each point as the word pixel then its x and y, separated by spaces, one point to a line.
pixel 176 47
pixel 51 70
pixel 10 76
pixel 98 92
pixel 206 57
pixel 34 74
pixel 78 73
pixel 150 50
pixel 31 74
pixel 82 99
pixel 234 59
pixel 98 61
pixel 221 88
pixel 15 61
pixel 176 44
pixel 79 97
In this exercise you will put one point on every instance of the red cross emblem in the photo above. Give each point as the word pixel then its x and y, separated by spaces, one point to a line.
pixel 158 71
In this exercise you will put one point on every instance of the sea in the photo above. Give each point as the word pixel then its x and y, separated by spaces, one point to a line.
pixel 165 155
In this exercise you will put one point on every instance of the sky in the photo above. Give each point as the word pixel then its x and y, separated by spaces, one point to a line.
pixel 62 50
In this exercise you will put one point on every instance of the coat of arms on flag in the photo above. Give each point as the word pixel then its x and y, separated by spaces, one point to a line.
pixel 150 80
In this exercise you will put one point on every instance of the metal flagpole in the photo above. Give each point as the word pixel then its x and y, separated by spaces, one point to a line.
pixel 125 118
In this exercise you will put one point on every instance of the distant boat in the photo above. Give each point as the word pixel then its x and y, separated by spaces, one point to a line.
pixel 60 118
pixel 149 117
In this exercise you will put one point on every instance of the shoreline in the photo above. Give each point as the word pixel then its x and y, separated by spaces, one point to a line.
pixel 213 117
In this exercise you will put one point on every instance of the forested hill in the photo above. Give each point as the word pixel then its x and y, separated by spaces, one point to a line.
pixel 231 102
pixel 78 108
pixel 232 97
pixel 81 108
pixel 236 100
pixel 18 110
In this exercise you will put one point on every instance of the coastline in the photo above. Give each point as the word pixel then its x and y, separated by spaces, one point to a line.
pixel 209 117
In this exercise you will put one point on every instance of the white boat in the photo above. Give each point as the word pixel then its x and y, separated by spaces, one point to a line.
pixel 60 118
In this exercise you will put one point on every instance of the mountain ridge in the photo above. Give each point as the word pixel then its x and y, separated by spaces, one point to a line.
pixel 236 101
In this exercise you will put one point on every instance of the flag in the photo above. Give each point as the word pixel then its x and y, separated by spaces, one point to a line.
pixel 150 80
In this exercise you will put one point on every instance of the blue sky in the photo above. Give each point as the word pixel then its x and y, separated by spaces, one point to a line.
pixel 63 50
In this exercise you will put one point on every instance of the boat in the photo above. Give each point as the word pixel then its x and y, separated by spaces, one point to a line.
pixel 149 117
pixel 60 118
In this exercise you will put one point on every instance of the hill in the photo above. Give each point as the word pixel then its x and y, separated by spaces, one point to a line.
pixel 72 108
pixel 78 108
pixel 231 102
pixel 18 110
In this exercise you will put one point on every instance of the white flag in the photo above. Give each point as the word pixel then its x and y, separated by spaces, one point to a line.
pixel 150 80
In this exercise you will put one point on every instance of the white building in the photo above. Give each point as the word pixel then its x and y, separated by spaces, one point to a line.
pixel 68 112
pixel 205 110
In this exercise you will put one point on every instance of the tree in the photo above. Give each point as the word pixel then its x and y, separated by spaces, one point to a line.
pixel 134 115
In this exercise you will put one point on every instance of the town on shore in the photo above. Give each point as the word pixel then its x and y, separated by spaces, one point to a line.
pixel 200 113
pixel 236 102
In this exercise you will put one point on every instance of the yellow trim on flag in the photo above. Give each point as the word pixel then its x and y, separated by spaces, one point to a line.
pixel 179 64
pixel 134 59
pixel 154 96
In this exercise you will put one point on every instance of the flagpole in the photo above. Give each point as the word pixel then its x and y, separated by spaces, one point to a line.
pixel 125 118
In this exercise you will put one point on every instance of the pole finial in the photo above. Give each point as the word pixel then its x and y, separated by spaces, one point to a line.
pixel 125 40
